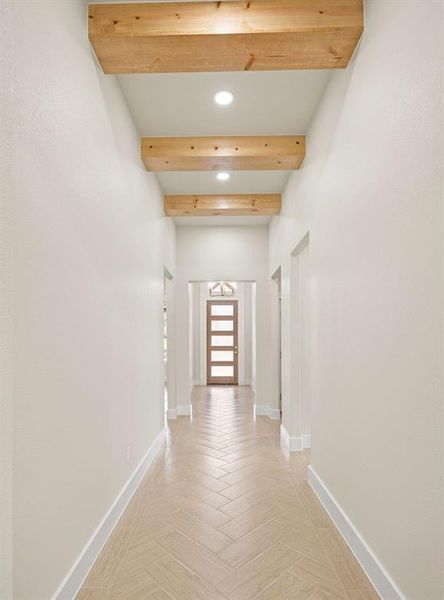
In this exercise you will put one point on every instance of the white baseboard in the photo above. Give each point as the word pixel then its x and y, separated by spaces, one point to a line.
pixel 381 580
pixel 267 411
pixel 275 414
pixel 184 410
pixel 171 414
pixel 78 572
pixel 306 440
pixel 295 444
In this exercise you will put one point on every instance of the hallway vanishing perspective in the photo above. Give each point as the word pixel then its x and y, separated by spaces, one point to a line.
pixel 225 513
pixel 221 300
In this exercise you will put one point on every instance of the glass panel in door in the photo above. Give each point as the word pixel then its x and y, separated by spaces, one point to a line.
pixel 222 342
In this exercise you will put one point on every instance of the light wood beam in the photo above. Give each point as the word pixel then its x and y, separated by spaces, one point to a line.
pixel 261 35
pixel 231 153
pixel 226 205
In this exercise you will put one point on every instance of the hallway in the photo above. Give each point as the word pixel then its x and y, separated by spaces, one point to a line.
pixel 222 300
pixel 225 513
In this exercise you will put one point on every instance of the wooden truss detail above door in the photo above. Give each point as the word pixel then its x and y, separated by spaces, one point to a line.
pixel 233 153
pixel 261 35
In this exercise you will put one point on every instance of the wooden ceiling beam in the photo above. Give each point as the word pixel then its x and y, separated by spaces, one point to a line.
pixel 223 205
pixel 232 153
pixel 261 35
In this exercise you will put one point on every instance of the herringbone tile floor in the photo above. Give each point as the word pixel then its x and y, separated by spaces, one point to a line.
pixel 225 514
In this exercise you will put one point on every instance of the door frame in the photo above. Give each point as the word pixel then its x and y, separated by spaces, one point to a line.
pixel 235 333
pixel 276 326
pixel 300 324
pixel 170 372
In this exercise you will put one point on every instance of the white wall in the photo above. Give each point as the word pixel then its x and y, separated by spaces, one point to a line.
pixel 254 338
pixel 6 307
pixel 195 319
pixel 170 300
pixel 229 254
pixel 90 240
pixel 247 337
pixel 369 194
pixel 275 370
pixel 200 296
pixel 296 414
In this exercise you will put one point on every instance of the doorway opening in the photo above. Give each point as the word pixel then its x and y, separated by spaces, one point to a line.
pixel 222 333
pixel 222 342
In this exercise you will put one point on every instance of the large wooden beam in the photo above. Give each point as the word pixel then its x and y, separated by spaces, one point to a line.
pixel 234 153
pixel 260 35
pixel 218 205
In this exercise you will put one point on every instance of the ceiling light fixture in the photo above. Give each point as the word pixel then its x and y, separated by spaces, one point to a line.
pixel 223 98
pixel 223 176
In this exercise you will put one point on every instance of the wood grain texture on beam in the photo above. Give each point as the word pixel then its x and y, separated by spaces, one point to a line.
pixel 234 153
pixel 261 35
pixel 226 205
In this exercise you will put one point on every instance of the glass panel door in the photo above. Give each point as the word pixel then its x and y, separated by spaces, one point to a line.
pixel 222 340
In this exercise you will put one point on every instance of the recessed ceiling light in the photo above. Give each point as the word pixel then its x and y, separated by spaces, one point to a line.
pixel 224 98
pixel 223 176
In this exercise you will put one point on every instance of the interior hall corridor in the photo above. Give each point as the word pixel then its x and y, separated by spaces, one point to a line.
pixel 226 513
pixel 221 300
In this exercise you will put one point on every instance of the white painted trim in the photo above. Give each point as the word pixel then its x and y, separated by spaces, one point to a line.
pixel 184 410
pixel 295 444
pixel 306 440
pixel 171 414
pixel 383 583
pixel 275 414
pixel 78 572
pixel 261 411
pixel 267 411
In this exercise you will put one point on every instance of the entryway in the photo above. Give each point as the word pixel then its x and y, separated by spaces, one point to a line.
pixel 222 342
pixel 222 325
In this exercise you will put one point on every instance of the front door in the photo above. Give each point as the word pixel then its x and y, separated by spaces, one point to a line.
pixel 222 338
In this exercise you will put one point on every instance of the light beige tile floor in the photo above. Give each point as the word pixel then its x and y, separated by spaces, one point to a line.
pixel 224 513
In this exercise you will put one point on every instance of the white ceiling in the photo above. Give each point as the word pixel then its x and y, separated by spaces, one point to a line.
pixel 265 103
pixel 205 182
